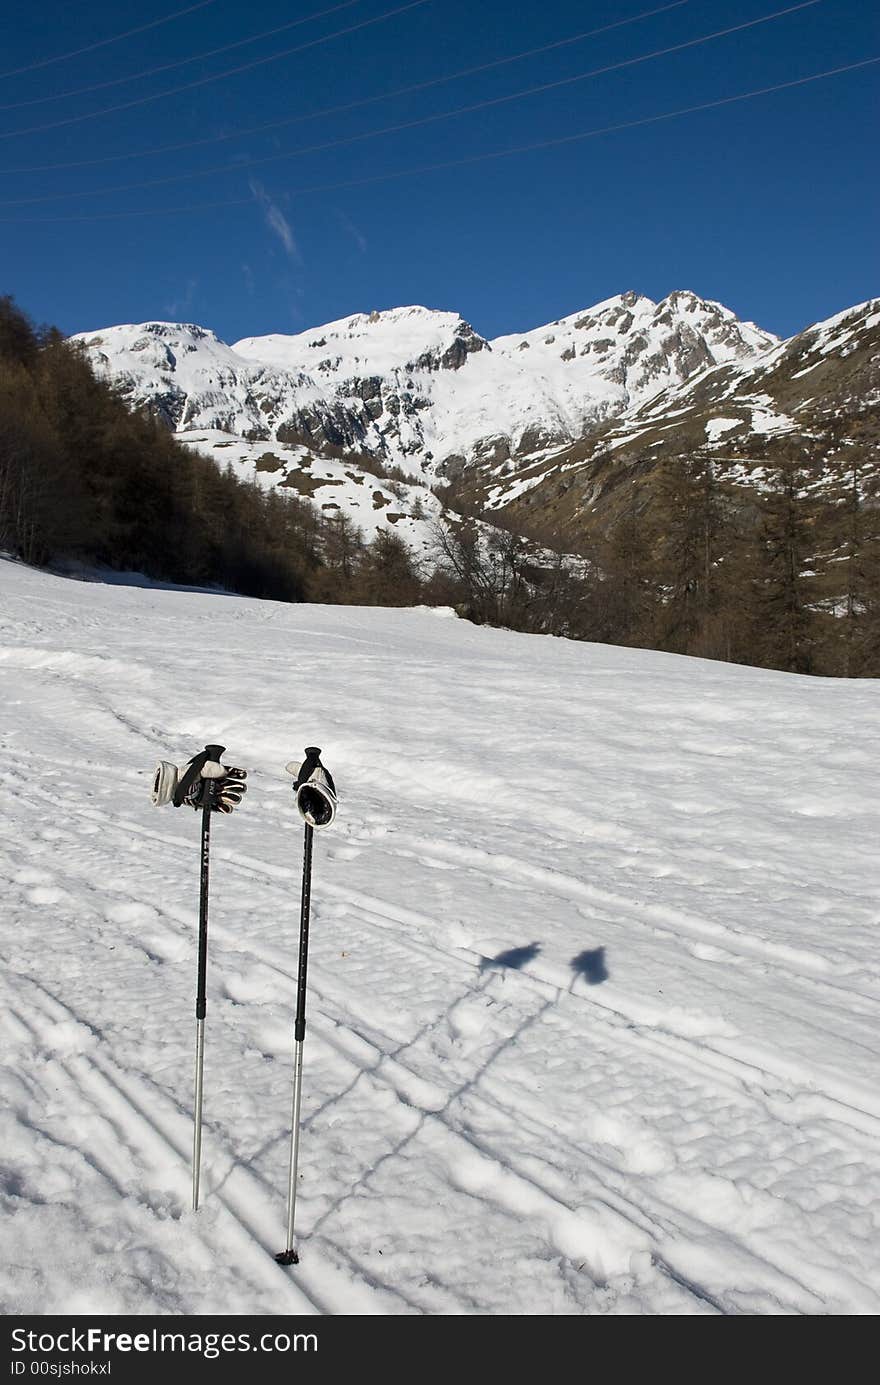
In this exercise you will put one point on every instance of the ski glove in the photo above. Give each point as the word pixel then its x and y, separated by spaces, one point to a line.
pixel 316 796
pixel 204 774
pixel 227 790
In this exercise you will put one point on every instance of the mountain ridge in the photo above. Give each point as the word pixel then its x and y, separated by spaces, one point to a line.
pixel 419 388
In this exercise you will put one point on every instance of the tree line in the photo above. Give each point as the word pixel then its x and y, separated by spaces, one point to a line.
pixel 782 572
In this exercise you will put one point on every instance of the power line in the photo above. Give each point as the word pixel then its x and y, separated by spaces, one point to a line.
pixel 218 76
pixel 591 134
pixel 180 62
pixel 451 163
pixel 348 105
pixel 409 124
pixel 102 43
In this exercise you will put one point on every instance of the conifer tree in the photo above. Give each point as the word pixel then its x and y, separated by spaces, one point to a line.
pixel 786 623
pixel 387 574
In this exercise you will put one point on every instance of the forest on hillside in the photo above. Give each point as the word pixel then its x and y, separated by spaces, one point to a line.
pixel 783 575
pixel 84 479
pixel 782 572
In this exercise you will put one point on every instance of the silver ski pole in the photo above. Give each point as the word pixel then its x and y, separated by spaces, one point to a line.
pixel 289 1256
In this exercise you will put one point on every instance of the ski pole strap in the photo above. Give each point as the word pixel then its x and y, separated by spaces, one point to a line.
pixel 194 770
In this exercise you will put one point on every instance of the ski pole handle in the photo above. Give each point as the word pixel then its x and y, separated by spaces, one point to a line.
pixel 171 785
pixel 316 796
pixel 194 769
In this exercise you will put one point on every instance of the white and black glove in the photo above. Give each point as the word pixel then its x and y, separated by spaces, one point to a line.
pixel 316 796
pixel 226 789
pixel 203 775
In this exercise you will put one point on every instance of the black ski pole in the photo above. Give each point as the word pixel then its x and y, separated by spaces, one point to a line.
pixel 211 753
pixel 316 801
pixel 201 987
pixel 207 784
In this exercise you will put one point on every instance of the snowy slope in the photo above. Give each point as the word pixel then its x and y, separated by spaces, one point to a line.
pixel 594 990
pixel 370 344
pixel 452 394
pixel 332 484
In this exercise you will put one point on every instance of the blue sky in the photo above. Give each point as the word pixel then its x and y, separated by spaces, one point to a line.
pixel 769 205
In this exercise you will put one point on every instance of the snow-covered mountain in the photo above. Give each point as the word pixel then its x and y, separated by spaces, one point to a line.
pixel 422 389
pixel 816 395
pixel 539 425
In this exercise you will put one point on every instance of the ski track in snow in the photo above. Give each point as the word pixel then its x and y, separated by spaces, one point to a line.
pixel 593 999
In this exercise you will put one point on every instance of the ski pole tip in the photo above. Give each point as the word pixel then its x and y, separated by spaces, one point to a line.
pixel 287 1257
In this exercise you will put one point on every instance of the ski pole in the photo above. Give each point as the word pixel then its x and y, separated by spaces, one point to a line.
pixel 201 988
pixel 289 1256
pixel 316 801
pixel 207 784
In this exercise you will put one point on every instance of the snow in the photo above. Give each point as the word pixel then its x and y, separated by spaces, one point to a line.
pixel 682 307
pixel 507 492
pixel 366 344
pixel 868 312
pixel 625 438
pixel 765 416
pixel 839 335
pixel 716 427
pixel 593 986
